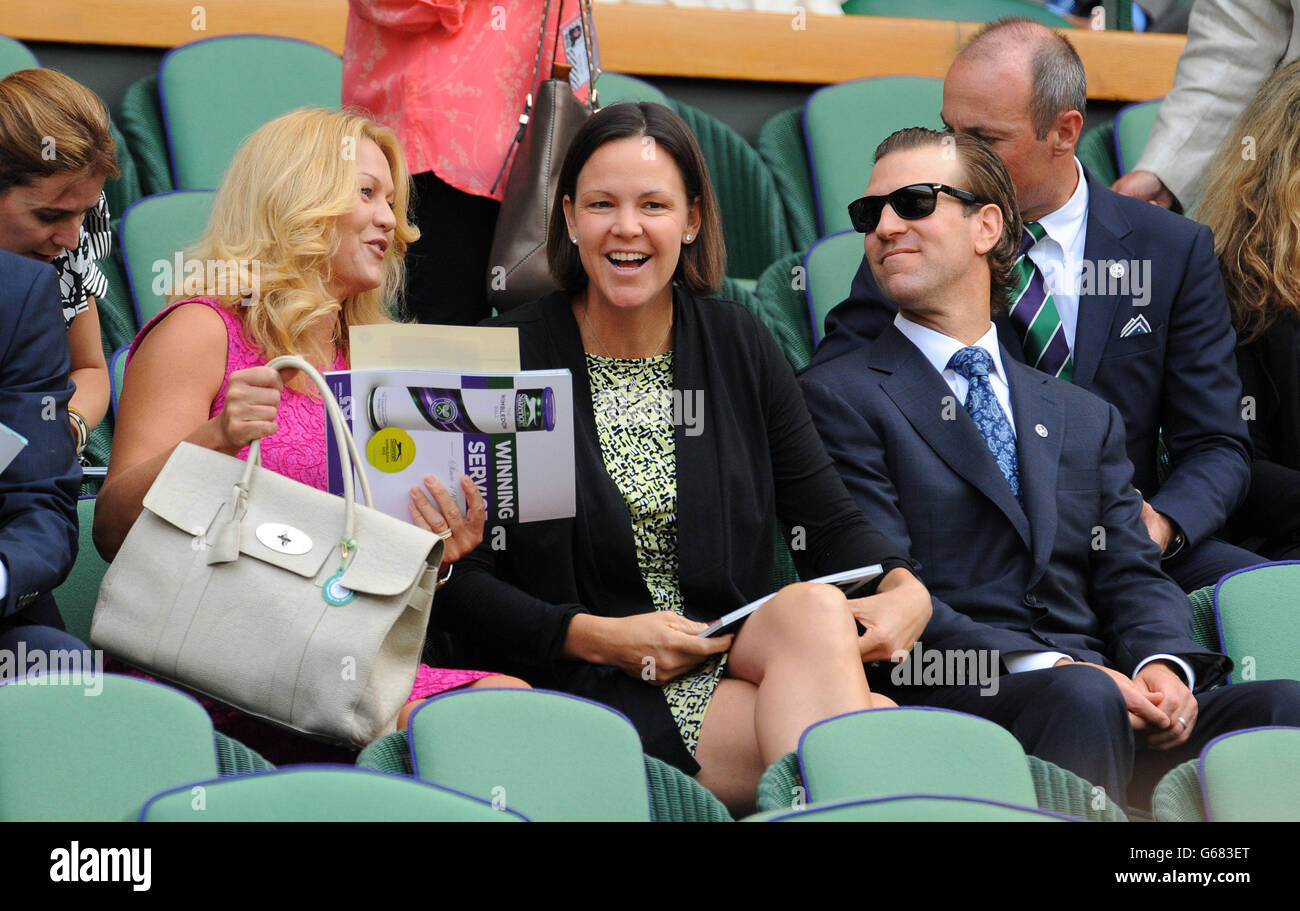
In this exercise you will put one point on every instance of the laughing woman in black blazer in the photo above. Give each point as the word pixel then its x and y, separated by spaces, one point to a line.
pixel 1252 203
pixel 691 440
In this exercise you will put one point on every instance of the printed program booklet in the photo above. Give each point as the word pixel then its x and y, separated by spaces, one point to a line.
pixel 849 582
pixel 512 433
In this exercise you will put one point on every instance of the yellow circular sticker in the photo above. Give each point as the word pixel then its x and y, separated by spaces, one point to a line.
pixel 391 450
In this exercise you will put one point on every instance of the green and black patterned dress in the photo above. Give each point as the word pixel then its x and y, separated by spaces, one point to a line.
pixel 633 404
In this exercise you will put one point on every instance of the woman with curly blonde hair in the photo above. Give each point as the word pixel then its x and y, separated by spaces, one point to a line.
pixel 1252 203
pixel 306 239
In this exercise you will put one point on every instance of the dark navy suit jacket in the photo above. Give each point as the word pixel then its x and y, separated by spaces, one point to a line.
pixel 38 491
pixel 1181 376
pixel 1072 571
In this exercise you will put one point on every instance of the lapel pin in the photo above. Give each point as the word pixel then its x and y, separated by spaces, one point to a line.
pixel 1040 430
pixel 1117 270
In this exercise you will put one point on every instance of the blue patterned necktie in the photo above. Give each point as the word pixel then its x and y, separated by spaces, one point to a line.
pixel 974 364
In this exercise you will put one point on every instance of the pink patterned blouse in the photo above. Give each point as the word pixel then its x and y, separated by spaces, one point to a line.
pixel 450 77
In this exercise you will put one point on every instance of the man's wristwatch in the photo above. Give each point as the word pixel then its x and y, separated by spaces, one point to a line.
pixel 1175 543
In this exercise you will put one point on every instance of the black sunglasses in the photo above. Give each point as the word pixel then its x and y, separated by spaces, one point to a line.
pixel 911 202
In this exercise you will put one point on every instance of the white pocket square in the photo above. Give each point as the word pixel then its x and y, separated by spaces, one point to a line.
pixel 1138 325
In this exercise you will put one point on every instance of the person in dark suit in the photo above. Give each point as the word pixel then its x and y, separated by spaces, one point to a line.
pixel 1138 313
pixel 1012 490
pixel 38 489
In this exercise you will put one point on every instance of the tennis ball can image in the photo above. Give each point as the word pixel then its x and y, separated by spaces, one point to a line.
pixel 468 410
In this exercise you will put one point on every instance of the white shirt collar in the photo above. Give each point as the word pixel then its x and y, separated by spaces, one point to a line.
pixel 1066 223
pixel 939 348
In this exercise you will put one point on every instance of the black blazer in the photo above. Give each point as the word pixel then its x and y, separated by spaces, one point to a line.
pixel 1269 520
pixel 756 456
pixel 1074 571
pixel 38 491
pixel 1181 376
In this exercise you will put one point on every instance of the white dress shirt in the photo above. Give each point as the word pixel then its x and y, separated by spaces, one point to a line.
pixel 938 349
pixel 1059 255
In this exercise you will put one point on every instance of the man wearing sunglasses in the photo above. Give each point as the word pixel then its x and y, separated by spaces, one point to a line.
pixel 1013 490
pixel 1119 298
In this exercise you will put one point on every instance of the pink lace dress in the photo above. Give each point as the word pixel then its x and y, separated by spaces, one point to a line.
pixel 296 451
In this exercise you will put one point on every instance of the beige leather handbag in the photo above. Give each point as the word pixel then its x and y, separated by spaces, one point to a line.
pixel 286 602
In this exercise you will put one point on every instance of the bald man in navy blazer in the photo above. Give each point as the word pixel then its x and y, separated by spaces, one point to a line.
pixel 38 489
pixel 1148 328
pixel 1014 493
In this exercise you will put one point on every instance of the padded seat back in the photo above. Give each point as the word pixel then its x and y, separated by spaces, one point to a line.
pixel 156 231
pixel 319 794
pixel 548 755
pixel 1257 610
pixel 1133 126
pixel 886 752
pixel 912 808
pixel 831 264
pixel 77 595
pixel 1250 776
pixel 216 92
pixel 94 747
pixel 843 125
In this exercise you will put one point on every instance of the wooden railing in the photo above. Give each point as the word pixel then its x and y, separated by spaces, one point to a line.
pixel 649 41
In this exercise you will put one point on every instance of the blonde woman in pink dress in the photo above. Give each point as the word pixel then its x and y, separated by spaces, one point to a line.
pixel 313 210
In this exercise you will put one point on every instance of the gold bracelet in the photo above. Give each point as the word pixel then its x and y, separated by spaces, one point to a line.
pixel 81 433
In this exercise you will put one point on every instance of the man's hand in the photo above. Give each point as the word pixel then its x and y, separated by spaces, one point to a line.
pixel 1143 713
pixel 1144 185
pixel 894 617
pixel 1166 689
pixel 1159 528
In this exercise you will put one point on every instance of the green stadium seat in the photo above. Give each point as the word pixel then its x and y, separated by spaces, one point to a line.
pixel 753 219
pixel 957 10
pixel 549 755
pixel 1133 126
pixel 831 264
pixel 887 752
pixel 77 595
pixel 844 123
pixel 15 56
pixel 142 125
pixel 1205 624
pixel 1245 776
pixel 320 793
pixel 1096 152
pixel 612 88
pixel 909 751
pixel 65 756
pixel 1257 609
pixel 155 230
pixel 117 374
pixel 783 307
pixel 781 145
pixel 910 808
pixel 217 91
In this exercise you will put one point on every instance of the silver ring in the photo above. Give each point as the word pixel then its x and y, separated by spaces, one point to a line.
pixel 1183 722
pixel 446 536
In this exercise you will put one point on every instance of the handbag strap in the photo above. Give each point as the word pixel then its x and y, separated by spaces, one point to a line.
pixel 527 112
pixel 349 459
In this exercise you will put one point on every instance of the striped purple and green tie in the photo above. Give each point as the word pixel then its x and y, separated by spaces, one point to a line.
pixel 1033 313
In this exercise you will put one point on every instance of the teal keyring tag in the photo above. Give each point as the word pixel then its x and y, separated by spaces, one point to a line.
pixel 333 591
